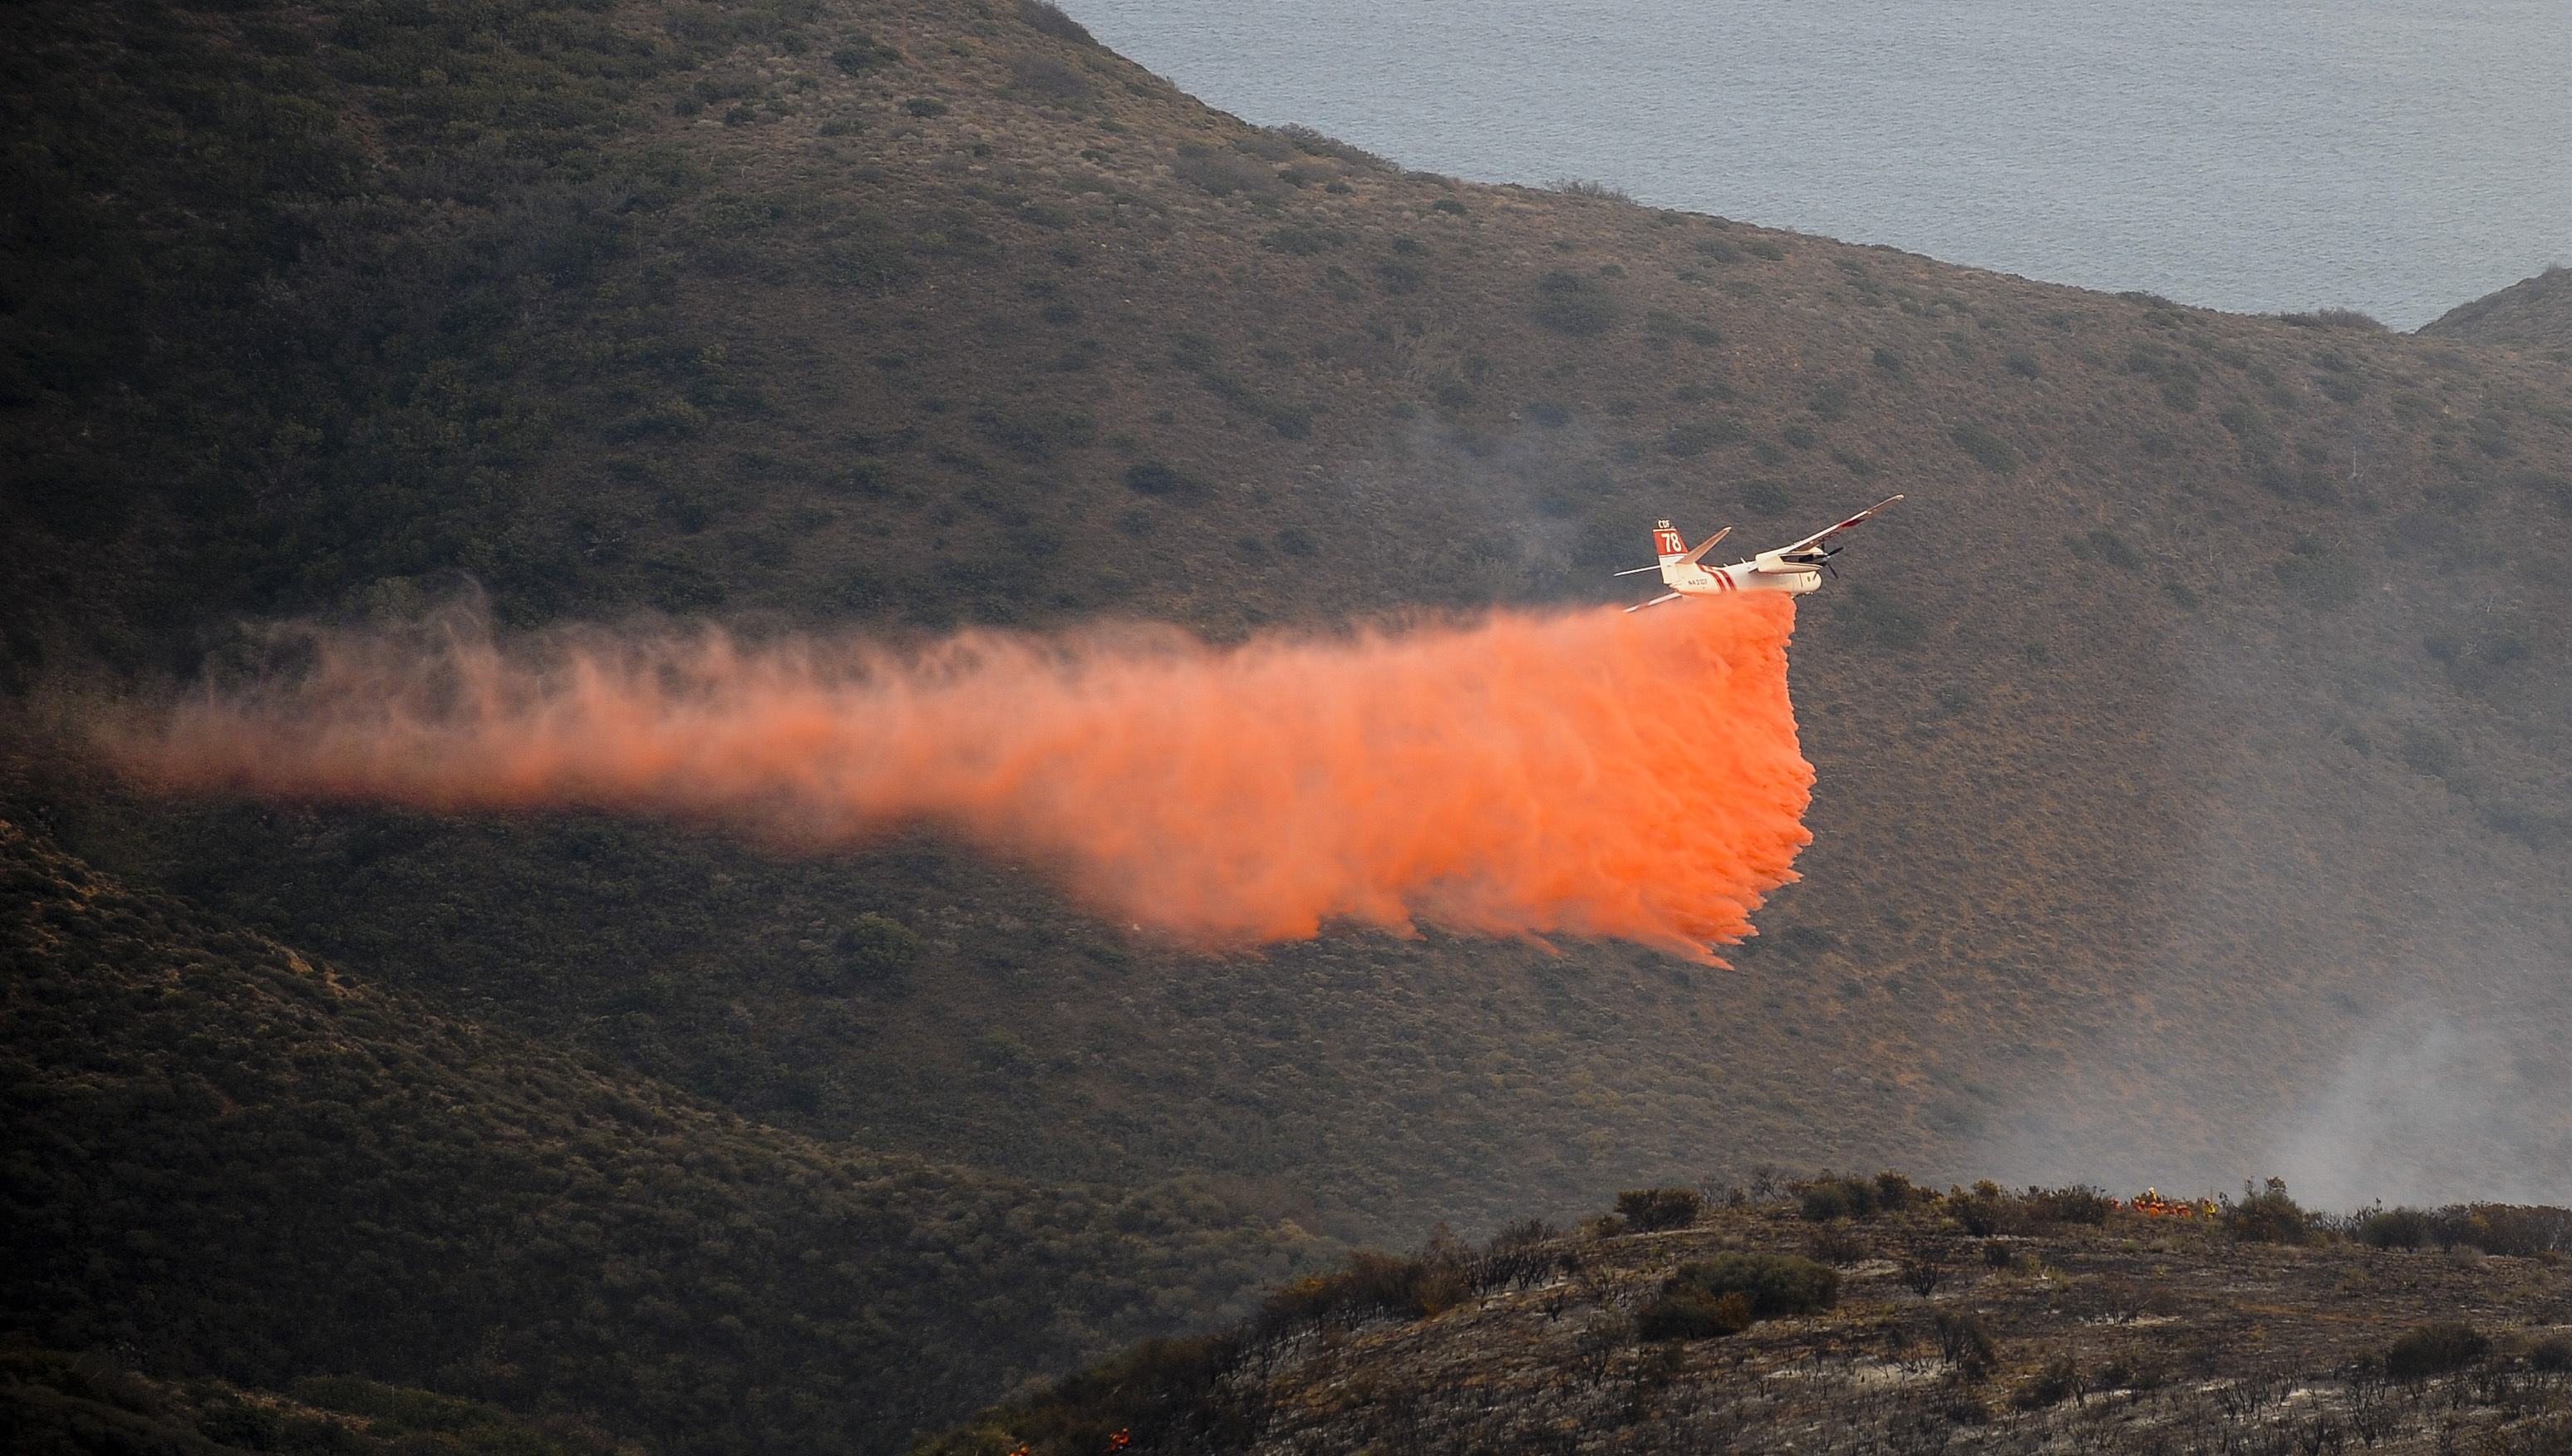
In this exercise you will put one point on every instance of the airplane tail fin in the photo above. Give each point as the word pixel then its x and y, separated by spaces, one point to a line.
pixel 1667 546
pixel 1676 558
pixel 1673 557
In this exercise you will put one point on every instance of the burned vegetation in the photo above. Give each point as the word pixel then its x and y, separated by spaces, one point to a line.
pixel 1842 1314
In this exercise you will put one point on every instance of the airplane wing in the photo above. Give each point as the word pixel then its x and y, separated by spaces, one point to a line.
pixel 1693 557
pixel 1817 538
pixel 1656 601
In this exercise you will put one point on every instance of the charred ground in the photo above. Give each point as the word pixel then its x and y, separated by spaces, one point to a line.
pixel 2041 1320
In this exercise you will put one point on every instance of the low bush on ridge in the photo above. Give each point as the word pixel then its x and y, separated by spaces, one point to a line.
pixel 1727 1293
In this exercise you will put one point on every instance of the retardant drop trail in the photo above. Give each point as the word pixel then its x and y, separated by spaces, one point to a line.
pixel 1583 773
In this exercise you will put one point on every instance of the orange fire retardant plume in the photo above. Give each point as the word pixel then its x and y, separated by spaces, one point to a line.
pixel 1585 772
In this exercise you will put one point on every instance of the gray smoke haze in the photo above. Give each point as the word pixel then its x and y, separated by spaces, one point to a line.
pixel 2425 1110
pixel 2358 980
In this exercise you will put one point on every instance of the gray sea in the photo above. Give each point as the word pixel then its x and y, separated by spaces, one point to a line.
pixel 2395 156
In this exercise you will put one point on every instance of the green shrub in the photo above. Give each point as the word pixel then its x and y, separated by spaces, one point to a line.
pixel 1649 1210
pixel 2267 1215
pixel 1765 498
pixel 1045 78
pixel 2395 1228
pixel 2516 1231
pixel 2077 1203
pixel 1302 241
pixel 2112 548
pixel 1985 1213
pixel 1046 18
pixel 1828 1197
pixel 1317 144
pixel 2435 1349
pixel 1371 1283
pixel 1700 435
pixel 1568 303
pixel 2334 318
pixel 1399 276
pixel 1163 481
pixel 1590 190
pixel 863 52
pixel 1988 449
pixel 1682 1311
pixel 1774 1284
pixel 876 947
pixel 925 106
pixel 1838 1245
pixel 1221 173
pixel 1883 616
pixel 2320 581
pixel 2552 1355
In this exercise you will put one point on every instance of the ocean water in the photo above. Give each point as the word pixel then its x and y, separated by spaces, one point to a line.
pixel 2395 156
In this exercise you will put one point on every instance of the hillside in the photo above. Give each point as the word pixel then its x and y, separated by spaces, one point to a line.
pixel 2190 745
pixel 231 1162
pixel 2128 724
pixel 52 1404
pixel 2042 1321
pixel 2534 314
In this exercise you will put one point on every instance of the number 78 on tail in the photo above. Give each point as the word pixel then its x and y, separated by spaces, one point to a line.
pixel 1795 569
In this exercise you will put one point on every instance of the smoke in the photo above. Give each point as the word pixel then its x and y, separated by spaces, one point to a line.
pixel 2430 1108
pixel 1585 773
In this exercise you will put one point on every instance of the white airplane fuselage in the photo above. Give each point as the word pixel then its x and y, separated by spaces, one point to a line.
pixel 1794 570
pixel 1751 575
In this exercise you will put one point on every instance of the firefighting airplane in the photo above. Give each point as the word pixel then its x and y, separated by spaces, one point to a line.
pixel 1797 568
